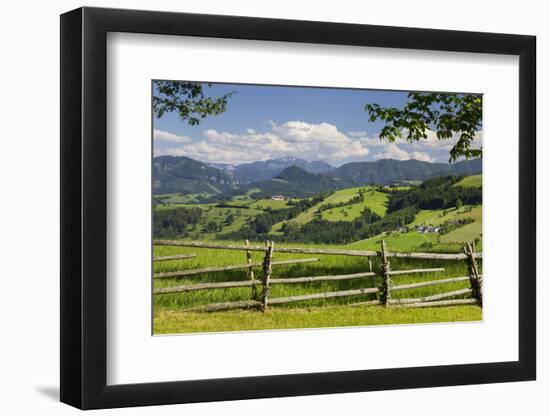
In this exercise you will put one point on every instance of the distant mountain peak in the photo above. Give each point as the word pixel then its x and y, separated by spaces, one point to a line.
pixel 294 172
pixel 270 168
pixel 287 159
pixel 180 174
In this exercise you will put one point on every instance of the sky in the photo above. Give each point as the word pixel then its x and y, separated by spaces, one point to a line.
pixel 268 122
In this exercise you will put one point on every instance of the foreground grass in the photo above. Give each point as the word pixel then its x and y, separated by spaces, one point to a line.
pixel 173 321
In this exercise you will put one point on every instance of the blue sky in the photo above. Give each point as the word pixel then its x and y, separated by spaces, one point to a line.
pixel 266 122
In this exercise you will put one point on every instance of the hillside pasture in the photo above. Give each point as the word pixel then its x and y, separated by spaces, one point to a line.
pixel 438 217
pixel 219 214
pixel 462 234
pixel 171 206
pixel 466 233
pixel 374 200
pixel 244 199
pixel 166 200
pixel 404 242
pixel 266 203
pixel 470 181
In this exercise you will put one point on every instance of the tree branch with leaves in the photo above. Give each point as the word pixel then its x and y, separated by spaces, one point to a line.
pixel 447 114
pixel 188 100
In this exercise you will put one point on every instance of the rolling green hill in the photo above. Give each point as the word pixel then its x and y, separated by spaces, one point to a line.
pixel 340 196
pixel 179 174
pixel 296 182
pixel 471 181
pixel 266 170
pixel 387 171
pixel 374 200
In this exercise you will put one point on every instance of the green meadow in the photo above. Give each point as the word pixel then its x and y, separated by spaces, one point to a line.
pixel 170 315
pixel 470 181
pixel 174 321
pixel 374 200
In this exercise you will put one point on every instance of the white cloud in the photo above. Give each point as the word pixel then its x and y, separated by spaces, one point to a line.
pixel 163 136
pixel 422 156
pixel 433 142
pixel 310 141
pixel 358 134
pixel 392 151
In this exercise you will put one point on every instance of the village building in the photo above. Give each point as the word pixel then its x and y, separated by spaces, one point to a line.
pixel 427 229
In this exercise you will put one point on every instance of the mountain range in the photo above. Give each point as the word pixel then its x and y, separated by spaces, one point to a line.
pixel 266 170
pixel 173 174
pixel 179 174
pixel 387 171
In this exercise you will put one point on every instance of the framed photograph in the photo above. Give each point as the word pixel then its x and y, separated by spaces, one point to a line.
pixel 257 208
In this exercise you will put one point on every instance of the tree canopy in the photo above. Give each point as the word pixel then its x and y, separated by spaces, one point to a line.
pixel 447 114
pixel 188 99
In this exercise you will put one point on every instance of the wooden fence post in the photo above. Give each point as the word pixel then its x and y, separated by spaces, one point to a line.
pixel 250 272
pixel 473 272
pixel 267 273
pixel 386 280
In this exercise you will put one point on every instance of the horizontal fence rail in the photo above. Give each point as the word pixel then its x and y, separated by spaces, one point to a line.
pixel 297 280
pixel 383 292
pixel 328 294
pixel 443 303
pixel 435 297
pixel 186 272
pixel 321 278
pixel 173 257
pixel 206 286
pixel 416 271
pixel 427 283
pixel 316 251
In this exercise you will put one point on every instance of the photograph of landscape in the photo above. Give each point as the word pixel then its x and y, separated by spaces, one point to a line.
pixel 284 207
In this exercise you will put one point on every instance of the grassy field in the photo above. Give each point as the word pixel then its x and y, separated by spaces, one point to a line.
pixel 170 322
pixel 169 199
pixel 465 233
pixel 268 203
pixel 438 217
pixel 171 206
pixel 457 237
pixel 374 200
pixel 219 214
pixel 169 318
pixel 471 181
pixel 401 242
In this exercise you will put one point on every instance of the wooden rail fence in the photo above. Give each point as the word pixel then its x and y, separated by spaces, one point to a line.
pixel 261 300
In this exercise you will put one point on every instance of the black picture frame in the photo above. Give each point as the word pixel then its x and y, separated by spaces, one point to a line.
pixel 84 207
